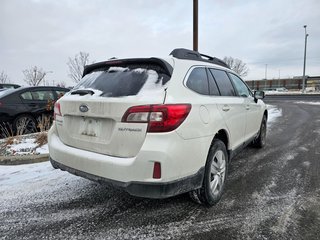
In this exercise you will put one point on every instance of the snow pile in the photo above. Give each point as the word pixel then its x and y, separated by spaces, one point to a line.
pixel 22 145
pixel 310 103
pixel 273 113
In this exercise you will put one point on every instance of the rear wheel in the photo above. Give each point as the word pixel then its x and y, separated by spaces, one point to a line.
pixel 260 141
pixel 215 175
pixel 25 124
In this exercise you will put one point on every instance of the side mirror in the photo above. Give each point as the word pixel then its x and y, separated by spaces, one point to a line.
pixel 258 95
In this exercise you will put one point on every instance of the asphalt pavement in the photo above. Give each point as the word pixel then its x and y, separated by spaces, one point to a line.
pixel 271 193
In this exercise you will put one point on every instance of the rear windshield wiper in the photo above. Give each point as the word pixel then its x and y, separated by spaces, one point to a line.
pixel 82 92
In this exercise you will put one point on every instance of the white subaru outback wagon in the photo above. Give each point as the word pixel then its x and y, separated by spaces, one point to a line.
pixel 157 127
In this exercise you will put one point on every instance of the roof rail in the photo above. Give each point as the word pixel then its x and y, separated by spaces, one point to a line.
pixel 183 53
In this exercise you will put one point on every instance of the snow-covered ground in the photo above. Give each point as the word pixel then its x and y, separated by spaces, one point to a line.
pixel 264 199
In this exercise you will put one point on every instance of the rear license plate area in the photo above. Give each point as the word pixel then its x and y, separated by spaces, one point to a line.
pixel 90 127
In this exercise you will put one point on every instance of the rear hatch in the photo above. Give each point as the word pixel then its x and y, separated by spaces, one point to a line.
pixel 90 116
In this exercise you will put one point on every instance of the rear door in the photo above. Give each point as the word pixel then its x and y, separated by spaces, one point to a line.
pixel 91 114
pixel 231 107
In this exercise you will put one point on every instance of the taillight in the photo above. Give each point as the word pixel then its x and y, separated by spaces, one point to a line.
pixel 1 104
pixel 57 110
pixel 160 118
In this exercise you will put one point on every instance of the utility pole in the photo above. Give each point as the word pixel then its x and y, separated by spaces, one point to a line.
pixel 195 25
pixel 279 79
pixel 304 59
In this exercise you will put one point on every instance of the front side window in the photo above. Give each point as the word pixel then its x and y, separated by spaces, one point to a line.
pixel 26 96
pixel 242 89
pixel 223 82
pixel 198 81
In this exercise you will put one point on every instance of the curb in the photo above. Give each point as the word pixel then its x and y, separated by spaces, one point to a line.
pixel 23 159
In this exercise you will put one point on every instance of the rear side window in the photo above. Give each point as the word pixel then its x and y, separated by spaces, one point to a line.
pixel 124 81
pixel 44 95
pixel 198 81
pixel 223 82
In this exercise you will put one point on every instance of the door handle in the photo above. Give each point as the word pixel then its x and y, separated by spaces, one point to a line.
pixel 225 108
pixel 247 107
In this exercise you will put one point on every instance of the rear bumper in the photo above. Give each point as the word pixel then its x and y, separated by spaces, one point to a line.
pixel 179 172
pixel 143 189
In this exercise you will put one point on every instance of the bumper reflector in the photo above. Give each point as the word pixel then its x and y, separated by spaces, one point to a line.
pixel 157 170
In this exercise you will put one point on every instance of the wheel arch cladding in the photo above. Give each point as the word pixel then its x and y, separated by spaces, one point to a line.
pixel 266 114
pixel 223 136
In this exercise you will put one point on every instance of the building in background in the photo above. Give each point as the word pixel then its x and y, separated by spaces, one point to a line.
pixel 292 84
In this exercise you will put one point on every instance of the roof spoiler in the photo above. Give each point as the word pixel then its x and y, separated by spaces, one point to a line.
pixel 182 53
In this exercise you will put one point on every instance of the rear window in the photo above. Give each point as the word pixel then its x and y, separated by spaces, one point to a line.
pixel 124 81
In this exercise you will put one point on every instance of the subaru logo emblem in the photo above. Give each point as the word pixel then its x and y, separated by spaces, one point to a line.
pixel 83 108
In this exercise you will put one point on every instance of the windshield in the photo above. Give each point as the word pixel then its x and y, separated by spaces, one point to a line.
pixel 6 91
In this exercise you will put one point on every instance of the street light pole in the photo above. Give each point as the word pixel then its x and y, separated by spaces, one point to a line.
pixel 304 59
pixel 195 25
pixel 265 76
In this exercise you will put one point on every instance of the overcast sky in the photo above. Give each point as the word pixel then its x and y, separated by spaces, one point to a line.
pixel 46 32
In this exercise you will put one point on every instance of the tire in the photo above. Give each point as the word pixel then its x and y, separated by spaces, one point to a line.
pixel 214 177
pixel 53 164
pixel 260 141
pixel 25 124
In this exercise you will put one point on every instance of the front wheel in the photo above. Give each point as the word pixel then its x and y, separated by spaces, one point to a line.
pixel 215 175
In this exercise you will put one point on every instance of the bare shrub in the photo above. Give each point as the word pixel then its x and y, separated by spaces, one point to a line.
pixel 6 130
pixel 44 122
pixel 25 125
pixel 41 139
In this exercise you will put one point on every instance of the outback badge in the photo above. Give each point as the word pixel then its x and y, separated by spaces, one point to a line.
pixel 83 108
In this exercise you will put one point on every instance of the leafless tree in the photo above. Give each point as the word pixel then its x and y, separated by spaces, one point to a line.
pixel 62 84
pixel 34 75
pixel 237 65
pixel 4 77
pixel 76 66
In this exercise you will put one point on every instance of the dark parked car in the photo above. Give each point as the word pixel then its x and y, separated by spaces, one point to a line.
pixel 21 108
